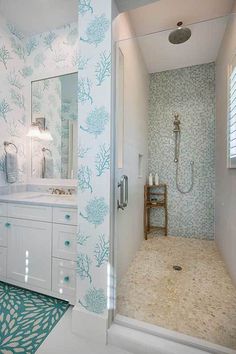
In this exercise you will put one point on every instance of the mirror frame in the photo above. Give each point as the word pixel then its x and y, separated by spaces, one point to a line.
pixel 30 179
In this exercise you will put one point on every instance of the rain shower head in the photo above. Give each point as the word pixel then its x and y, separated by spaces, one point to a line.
pixel 180 35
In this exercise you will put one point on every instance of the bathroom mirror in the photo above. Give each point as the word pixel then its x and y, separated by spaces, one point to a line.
pixel 54 121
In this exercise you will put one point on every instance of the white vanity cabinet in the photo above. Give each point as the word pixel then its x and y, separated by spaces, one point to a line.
pixel 3 231
pixel 3 241
pixel 29 252
pixel 3 263
pixel 38 248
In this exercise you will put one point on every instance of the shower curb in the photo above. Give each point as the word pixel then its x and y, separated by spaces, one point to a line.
pixel 139 337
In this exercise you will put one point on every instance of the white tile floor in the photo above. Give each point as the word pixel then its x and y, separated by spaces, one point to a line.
pixel 62 341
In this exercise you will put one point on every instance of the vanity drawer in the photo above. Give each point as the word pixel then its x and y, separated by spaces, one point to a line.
pixel 30 212
pixel 64 278
pixel 3 263
pixel 64 241
pixel 65 216
pixel 3 209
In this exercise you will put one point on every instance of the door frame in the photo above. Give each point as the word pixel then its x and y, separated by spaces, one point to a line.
pixel 112 279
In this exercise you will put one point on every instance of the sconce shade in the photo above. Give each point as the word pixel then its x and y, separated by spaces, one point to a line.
pixel 34 131
pixel 46 135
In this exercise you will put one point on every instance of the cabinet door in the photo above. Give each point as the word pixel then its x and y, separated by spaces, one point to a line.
pixel 3 231
pixel 3 263
pixel 29 252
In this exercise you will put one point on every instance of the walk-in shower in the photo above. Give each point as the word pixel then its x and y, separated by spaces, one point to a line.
pixel 177 133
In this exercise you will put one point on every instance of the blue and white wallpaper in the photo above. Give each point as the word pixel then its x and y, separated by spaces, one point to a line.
pixel 21 60
pixel 94 92
pixel 191 93
pixel 13 118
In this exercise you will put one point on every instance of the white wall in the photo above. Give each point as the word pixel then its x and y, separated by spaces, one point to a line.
pixel 225 178
pixel 136 95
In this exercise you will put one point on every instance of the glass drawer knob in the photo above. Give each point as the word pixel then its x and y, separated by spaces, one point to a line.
pixel 67 243
pixel 7 224
pixel 67 216
pixel 66 279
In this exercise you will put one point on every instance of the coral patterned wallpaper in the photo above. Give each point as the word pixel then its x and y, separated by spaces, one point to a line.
pixel 13 119
pixel 94 99
pixel 23 59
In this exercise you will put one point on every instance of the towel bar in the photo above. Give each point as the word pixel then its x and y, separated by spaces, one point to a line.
pixel 7 143
pixel 44 150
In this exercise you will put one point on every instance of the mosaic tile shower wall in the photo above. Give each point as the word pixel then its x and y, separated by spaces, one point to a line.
pixel 191 93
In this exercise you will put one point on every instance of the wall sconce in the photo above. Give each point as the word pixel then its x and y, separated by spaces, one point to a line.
pixel 38 130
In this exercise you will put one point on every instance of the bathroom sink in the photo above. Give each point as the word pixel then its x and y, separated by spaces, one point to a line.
pixel 50 197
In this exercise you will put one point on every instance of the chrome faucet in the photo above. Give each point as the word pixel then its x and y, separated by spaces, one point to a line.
pixel 61 191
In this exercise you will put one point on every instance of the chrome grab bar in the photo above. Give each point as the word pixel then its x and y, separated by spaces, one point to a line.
pixel 123 185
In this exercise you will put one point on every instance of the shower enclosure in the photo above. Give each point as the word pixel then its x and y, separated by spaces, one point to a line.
pixel 158 279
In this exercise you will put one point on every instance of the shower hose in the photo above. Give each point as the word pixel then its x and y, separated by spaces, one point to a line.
pixel 177 154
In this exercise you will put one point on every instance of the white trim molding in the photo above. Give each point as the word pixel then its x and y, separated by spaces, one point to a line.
pixel 89 325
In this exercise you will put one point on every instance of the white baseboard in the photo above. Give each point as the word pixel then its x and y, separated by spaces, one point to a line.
pixel 89 325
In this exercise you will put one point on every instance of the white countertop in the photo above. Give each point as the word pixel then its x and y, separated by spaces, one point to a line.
pixel 38 198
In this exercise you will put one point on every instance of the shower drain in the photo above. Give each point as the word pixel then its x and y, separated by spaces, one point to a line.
pixel 177 267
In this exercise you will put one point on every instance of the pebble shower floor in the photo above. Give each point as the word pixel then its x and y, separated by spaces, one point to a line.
pixel 199 300
pixel 26 318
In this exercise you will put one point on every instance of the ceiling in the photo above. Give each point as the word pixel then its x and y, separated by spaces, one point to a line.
pixel 125 5
pixel 165 14
pixel 36 16
pixel 152 24
pixel 201 48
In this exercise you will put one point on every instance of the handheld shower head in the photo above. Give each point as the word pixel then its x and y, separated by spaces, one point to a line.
pixel 176 124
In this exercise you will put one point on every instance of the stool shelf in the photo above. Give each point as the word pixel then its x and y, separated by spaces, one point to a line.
pixel 155 197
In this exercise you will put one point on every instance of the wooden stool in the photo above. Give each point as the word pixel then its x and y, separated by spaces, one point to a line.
pixel 155 197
